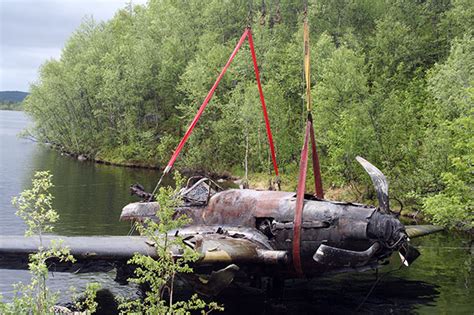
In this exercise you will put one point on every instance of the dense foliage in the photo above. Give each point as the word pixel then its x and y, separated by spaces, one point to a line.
pixel 392 81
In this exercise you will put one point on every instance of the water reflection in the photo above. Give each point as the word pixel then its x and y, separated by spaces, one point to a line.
pixel 345 294
pixel 439 282
pixel 89 196
pixel 446 260
pixel 16 156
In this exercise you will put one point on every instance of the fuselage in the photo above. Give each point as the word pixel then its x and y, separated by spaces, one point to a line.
pixel 347 229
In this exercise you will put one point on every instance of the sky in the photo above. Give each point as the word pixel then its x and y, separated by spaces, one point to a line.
pixel 33 31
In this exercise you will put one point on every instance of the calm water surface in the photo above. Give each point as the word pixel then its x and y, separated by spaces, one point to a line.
pixel 89 198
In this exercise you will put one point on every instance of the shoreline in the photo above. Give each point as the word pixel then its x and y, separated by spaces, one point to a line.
pixel 184 171
pixel 12 109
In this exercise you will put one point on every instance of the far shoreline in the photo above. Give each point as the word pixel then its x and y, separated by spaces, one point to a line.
pixel 12 109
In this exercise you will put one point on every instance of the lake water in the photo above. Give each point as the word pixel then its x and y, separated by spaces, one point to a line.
pixel 89 198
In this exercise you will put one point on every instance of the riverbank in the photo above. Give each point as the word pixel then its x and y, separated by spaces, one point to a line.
pixel 140 165
pixel 12 107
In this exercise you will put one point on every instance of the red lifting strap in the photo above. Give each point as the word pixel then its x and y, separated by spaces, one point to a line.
pixel 300 202
pixel 309 134
pixel 246 33
pixel 318 183
pixel 264 107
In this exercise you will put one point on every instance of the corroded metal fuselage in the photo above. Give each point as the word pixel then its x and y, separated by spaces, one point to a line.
pixel 356 236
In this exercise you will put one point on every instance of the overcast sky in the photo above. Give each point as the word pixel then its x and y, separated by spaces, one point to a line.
pixel 33 31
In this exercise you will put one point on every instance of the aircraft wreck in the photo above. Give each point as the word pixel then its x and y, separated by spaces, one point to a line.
pixel 242 233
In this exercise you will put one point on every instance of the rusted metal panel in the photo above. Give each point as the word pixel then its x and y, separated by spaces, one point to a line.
pixel 215 246
pixel 243 206
pixel 271 212
pixel 218 249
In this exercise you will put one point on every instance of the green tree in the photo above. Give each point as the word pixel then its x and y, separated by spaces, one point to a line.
pixel 450 85
pixel 340 97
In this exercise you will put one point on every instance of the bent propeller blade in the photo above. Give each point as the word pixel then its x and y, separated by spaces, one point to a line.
pixel 414 231
pixel 408 254
pixel 379 181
